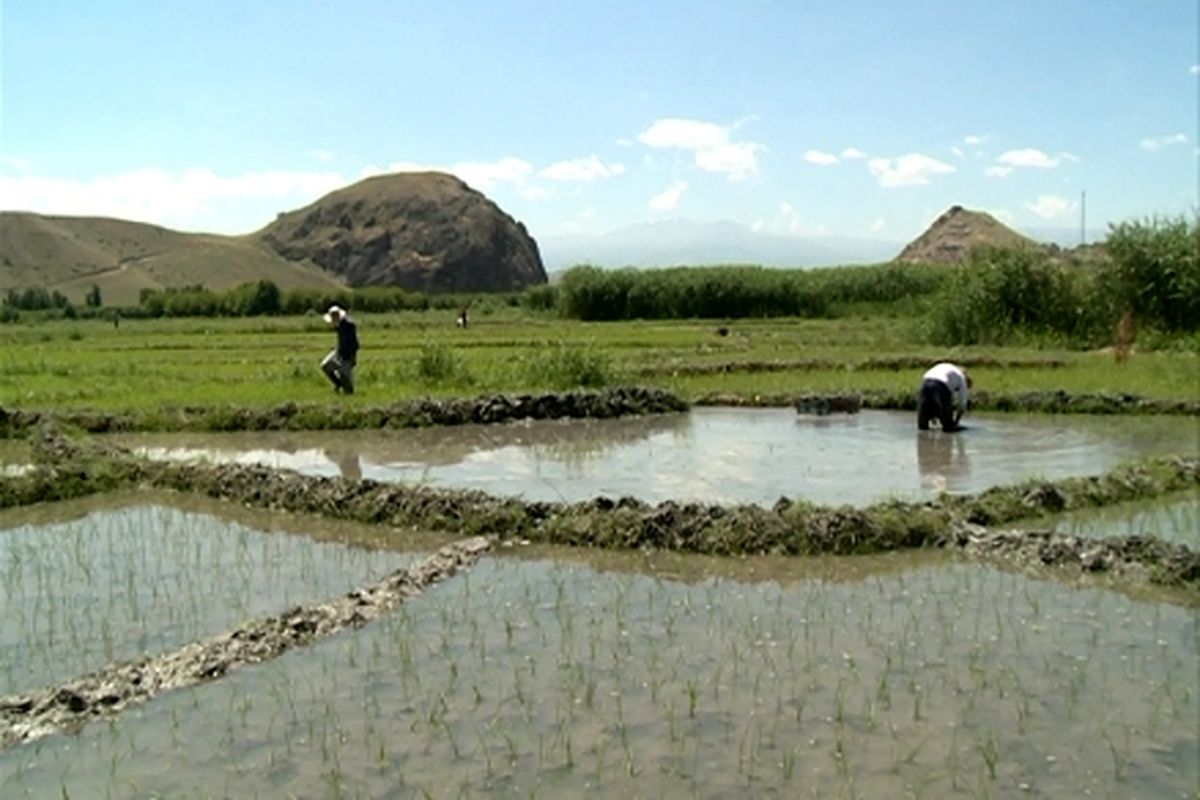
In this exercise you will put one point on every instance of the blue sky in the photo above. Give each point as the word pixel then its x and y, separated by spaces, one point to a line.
pixel 804 118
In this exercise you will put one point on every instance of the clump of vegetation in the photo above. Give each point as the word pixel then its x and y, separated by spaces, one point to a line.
pixel 566 367
pixel 1150 279
pixel 438 363
pixel 1154 271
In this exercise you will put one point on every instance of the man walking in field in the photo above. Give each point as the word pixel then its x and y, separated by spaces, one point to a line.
pixel 339 364
pixel 945 394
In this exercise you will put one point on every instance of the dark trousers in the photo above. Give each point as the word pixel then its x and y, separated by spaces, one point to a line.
pixel 934 402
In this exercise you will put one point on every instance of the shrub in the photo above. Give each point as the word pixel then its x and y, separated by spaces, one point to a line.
pixel 1000 293
pixel 566 367
pixel 542 297
pixel 1154 271
pixel 438 363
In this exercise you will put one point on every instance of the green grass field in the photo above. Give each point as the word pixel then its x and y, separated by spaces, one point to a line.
pixel 146 364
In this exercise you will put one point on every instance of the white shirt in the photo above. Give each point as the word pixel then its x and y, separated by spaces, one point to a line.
pixel 954 378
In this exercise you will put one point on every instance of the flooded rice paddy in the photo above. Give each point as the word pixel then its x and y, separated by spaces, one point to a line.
pixel 633 675
pixel 549 672
pixel 722 455
pixel 121 582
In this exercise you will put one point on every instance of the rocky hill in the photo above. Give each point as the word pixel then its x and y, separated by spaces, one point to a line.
pixel 425 231
pixel 955 233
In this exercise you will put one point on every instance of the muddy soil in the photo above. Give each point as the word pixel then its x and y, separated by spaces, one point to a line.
pixel 107 692
pixel 1041 402
pixel 604 404
pixel 886 363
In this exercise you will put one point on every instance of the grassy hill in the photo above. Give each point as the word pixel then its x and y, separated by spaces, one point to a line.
pixel 71 254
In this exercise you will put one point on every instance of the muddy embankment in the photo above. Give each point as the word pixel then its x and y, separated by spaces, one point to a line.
pixel 952 521
pixel 1041 402
pixel 881 364
pixel 109 691
pixel 422 412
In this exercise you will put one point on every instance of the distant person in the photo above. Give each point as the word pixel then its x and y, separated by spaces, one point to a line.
pixel 463 318
pixel 339 364
pixel 945 394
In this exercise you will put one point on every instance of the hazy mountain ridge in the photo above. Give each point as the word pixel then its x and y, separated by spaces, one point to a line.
pixel 684 242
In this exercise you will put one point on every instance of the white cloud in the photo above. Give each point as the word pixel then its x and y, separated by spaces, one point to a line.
pixel 711 147
pixel 911 169
pixel 158 196
pixel 1153 143
pixel 878 225
pixel 998 171
pixel 585 169
pixel 974 140
pixel 1027 157
pixel 670 198
pixel 1194 69
pixel 820 158
pixel 958 152
pixel 625 142
pixel 1050 206
pixel 321 155
pixel 852 153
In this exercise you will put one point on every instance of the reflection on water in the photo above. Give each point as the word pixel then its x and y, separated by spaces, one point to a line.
pixel 721 455
pixel 941 458
pixel 116 584
pixel 534 678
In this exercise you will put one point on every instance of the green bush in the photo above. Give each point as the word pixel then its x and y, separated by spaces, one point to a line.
pixel 591 293
pixel 1153 270
pixel 438 363
pixel 542 297
pixel 1000 294
pixel 566 367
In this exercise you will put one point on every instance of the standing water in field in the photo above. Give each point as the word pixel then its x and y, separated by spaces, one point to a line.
pixel 909 675
pixel 1172 519
pixel 121 583
pixel 723 455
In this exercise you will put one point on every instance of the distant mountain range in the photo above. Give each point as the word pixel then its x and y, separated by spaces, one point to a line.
pixel 683 242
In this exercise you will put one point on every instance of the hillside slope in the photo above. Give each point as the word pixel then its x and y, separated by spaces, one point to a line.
pixel 71 254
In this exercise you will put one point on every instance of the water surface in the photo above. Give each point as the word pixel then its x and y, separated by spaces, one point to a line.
pixel 551 678
pixel 119 583
pixel 725 455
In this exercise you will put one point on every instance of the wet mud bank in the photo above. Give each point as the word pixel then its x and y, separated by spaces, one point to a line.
pixel 109 691
pixel 1045 402
pixel 787 528
pixel 882 364
pixel 423 412
pixel 793 528
pixel 1146 558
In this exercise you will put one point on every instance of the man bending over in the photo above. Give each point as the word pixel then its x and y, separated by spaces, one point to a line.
pixel 944 396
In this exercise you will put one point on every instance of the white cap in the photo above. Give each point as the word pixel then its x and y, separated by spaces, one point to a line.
pixel 335 312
